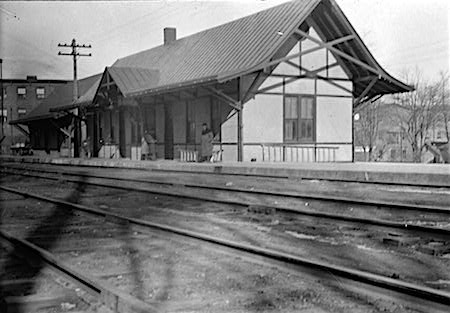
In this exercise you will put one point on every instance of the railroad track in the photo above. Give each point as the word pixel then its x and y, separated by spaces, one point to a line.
pixel 267 200
pixel 18 278
pixel 71 288
pixel 437 298
pixel 34 280
pixel 274 191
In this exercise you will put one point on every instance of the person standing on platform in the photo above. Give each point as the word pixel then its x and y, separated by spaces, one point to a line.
pixel 148 147
pixel 145 149
pixel 87 147
pixel 151 146
pixel 207 146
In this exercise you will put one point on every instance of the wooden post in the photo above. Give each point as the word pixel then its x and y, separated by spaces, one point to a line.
pixel 240 146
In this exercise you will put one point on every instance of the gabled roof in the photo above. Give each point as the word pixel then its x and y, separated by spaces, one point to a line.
pixel 60 97
pixel 86 97
pixel 131 80
pixel 229 50
pixel 231 47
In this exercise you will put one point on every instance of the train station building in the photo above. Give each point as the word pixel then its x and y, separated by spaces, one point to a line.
pixel 278 85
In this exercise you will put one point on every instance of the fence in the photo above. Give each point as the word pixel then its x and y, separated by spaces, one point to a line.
pixel 297 153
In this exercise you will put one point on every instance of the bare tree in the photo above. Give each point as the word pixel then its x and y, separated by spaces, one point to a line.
pixel 443 114
pixel 366 129
pixel 417 112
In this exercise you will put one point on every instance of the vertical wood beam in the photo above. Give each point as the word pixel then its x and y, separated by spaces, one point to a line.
pixel 240 146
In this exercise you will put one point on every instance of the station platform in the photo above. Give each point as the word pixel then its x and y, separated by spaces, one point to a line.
pixel 437 175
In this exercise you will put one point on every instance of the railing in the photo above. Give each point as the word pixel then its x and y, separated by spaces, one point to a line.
pixel 192 156
pixel 188 155
pixel 297 153
pixel 136 153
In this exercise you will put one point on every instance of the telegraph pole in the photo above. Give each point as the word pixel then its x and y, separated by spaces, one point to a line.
pixel 75 54
pixel 2 96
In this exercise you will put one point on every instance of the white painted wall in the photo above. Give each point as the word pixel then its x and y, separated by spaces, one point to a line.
pixel 263 119
pixel 334 120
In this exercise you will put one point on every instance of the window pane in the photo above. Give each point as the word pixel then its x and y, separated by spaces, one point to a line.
pixel 21 90
pixel 40 92
pixel 290 107
pixel 287 108
pixel 302 129
pixel 309 129
pixel 21 112
pixel 290 129
pixel 306 108
pixel 4 115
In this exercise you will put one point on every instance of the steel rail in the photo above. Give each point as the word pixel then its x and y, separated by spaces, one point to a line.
pixel 296 195
pixel 190 195
pixel 113 299
pixel 411 289
pixel 331 179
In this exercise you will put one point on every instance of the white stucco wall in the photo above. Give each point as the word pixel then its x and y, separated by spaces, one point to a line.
pixel 263 119
pixel 334 120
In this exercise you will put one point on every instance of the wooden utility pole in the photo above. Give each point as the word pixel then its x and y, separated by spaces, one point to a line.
pixel 2 96
pixel 75 54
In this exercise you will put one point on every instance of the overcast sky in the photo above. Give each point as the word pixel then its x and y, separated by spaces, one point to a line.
pixel 401 34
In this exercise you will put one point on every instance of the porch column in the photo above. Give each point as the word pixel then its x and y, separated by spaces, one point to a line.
pixel 240 143
pixel 77 135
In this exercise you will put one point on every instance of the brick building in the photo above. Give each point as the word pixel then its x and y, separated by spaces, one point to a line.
pixel 19 97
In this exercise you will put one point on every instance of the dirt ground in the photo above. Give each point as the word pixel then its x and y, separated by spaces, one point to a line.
pixel 177 275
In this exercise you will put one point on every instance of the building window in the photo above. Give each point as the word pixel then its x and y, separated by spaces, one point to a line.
pixel 191 126
pixel 21 92
pixel 4 93
pixel 4 115
pixel 299 119
pixel 21 112
pixel 40 92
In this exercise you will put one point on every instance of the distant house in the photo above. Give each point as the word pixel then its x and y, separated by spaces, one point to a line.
pixel 390 138
pixel 20 97
pixel 49 131
pixel 278 85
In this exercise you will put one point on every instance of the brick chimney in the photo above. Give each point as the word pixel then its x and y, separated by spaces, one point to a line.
pixel 170 35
